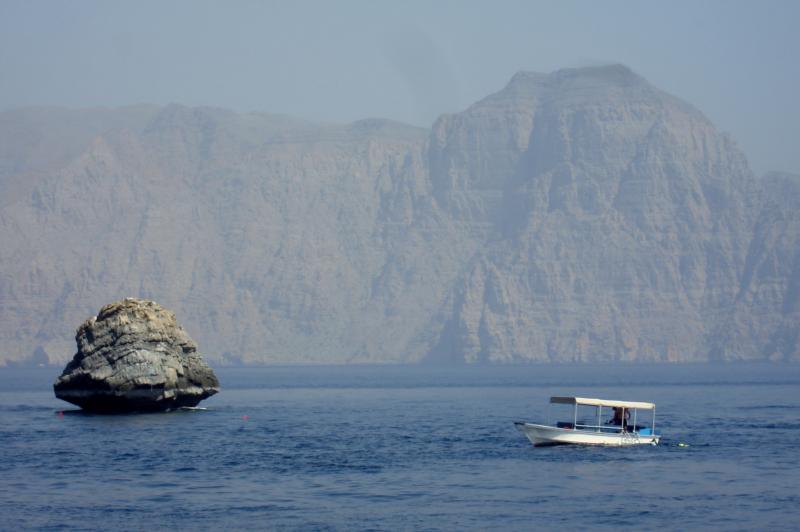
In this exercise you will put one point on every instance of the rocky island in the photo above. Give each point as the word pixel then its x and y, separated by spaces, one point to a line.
pixel 133 356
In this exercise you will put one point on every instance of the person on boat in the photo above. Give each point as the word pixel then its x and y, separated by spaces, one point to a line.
pixel 621 417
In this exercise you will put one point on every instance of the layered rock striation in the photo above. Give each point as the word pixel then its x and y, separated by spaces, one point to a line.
pixel 133 356
pixel 581 215
pixel 615 222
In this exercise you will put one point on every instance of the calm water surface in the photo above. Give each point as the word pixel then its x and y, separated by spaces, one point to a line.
pixel 397 448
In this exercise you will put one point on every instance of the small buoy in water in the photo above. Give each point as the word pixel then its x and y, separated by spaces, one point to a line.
pixel 245 417
pixel 681 444
pixel 60 413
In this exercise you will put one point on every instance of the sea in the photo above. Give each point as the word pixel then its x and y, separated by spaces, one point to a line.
pixel 407 448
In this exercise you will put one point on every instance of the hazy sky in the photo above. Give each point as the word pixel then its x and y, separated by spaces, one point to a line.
pixel 406 60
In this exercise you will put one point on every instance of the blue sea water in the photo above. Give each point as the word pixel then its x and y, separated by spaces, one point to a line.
pixel 402 448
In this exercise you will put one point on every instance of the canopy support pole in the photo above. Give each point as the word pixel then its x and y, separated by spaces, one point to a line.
pixel 654 422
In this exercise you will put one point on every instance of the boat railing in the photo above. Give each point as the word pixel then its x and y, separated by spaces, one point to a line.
pixel 601 428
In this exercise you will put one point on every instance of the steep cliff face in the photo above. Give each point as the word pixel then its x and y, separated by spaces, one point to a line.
pixel 580 215
pixel 765 319
pixel 616 221
pixel 278 226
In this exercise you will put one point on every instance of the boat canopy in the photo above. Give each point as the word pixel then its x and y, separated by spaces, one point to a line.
pixel 601 402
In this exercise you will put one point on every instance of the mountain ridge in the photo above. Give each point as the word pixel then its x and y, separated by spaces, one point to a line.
pixel 582 215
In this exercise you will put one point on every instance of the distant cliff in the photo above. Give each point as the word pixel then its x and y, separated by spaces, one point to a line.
pixel 577 216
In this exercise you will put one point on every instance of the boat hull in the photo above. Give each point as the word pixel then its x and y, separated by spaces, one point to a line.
pixel 541 435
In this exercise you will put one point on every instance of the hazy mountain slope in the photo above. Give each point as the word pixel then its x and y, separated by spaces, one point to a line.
pixel 38 139
pixel 286 242
pixel 580 215
pixel 617 221
pixel 765 321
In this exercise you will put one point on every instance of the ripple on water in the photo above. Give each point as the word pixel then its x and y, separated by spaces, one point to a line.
pixel 410 456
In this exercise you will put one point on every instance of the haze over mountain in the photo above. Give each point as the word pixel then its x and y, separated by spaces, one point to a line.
pixel 582 215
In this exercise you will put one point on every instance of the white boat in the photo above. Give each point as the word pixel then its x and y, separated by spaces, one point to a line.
pixel 626 428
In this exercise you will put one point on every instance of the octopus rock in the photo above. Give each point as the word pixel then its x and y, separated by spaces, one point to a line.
pixel 133 356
